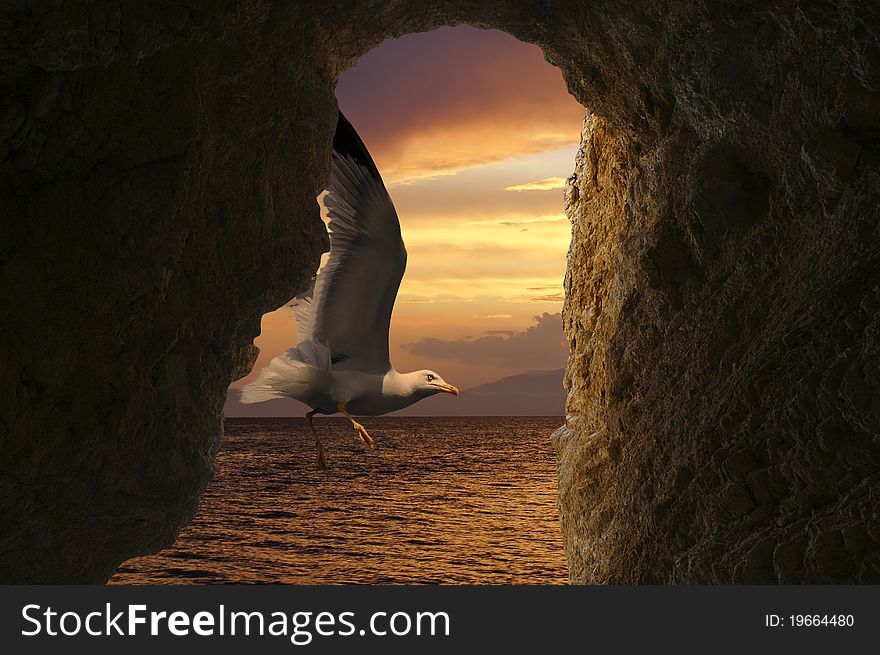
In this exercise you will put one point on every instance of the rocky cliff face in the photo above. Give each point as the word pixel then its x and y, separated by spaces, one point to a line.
pixel 158 181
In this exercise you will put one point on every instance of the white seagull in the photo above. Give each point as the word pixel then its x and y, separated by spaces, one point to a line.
pixel 341 362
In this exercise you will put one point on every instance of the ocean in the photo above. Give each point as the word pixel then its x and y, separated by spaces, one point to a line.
pixel 451 500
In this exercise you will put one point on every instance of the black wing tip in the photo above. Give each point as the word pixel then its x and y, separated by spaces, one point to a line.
pixel 347 143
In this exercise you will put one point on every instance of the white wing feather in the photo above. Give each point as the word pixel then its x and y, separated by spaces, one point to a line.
pixel 355 292
pixel 303 313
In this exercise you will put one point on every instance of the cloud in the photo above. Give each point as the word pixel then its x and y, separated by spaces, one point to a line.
pixel 540 347
pixel 533 220
pixel 435 103
pixel 494 316
pixel 478 193
pixel 539 185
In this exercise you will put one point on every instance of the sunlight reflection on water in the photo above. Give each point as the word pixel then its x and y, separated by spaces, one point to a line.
pixel 440 500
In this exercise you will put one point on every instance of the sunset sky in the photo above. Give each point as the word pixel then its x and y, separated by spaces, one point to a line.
pixel 474 134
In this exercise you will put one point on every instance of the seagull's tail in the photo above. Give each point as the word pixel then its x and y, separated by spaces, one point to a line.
pixel 292 374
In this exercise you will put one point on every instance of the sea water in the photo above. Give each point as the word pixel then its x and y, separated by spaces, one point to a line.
pixel 463 500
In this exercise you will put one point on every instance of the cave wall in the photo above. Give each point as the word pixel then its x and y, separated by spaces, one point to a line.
pixel 722 307
pixel 158 173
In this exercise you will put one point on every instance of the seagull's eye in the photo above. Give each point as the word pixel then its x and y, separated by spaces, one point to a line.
pixel 430 378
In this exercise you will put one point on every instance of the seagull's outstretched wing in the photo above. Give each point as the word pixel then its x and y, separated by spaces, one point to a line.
pixel 355 291
pixel 303 312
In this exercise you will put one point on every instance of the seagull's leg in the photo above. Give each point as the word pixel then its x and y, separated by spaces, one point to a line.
pixel 361 430
pixel 322 464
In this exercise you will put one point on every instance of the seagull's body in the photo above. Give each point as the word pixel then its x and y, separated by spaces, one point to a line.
pixel 363 394
pixel 341 363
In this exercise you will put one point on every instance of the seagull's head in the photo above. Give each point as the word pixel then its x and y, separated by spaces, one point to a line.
pixel 427 383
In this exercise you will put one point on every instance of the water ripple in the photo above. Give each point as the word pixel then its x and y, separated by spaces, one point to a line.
pixel 439 500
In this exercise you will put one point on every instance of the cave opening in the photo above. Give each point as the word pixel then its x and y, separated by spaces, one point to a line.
pixel 475 135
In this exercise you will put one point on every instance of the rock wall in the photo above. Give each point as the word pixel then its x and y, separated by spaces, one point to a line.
pixel 722 307
pixel 159 181
pixel 158 173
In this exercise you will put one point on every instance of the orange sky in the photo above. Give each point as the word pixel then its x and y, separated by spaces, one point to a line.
pixel 474 134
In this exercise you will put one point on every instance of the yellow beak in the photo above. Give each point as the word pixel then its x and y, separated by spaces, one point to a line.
pixel 448 388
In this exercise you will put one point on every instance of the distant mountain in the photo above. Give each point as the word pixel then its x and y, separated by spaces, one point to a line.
pixel 537 393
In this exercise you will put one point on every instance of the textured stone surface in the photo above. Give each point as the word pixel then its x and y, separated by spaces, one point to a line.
pixel 722 299
pixel 158 172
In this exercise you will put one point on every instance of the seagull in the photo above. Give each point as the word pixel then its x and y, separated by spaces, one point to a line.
pixel 341 363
